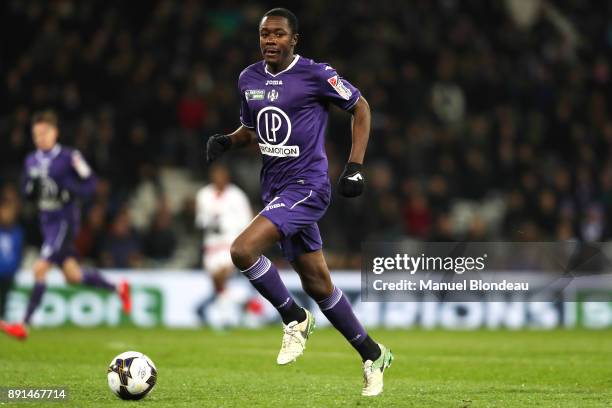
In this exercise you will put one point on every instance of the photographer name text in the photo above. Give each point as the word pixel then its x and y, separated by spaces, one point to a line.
pixel 455 286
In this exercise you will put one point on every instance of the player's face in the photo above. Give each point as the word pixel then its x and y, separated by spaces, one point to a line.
pixel 276 40
pixel 45 135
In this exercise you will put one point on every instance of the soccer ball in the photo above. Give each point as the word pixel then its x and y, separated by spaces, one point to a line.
pixel 131 375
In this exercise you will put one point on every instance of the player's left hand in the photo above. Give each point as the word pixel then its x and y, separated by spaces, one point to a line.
pixel 351 181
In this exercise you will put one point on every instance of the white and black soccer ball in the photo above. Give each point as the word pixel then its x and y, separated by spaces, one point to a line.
pixel 131 375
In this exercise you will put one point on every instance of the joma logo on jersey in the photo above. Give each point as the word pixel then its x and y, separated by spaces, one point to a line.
pixel 274 130
pixel 254 94
pixel 274 82
pixel 273 206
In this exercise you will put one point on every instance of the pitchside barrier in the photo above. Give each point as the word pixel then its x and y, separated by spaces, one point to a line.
pixel 181 299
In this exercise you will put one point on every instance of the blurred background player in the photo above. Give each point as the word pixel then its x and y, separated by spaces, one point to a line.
pixel 11 249
pixel 284 106
pixel 57 177
pixel 222 211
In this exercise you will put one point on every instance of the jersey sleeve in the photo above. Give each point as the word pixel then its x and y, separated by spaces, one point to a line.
pixel 335 89
pixel 81 181
pixel 27 179
pixel 245 112
pixel 80 165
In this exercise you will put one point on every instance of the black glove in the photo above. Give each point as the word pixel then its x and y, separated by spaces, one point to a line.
pixel 33 188
pixel 216 146
pixel 351 181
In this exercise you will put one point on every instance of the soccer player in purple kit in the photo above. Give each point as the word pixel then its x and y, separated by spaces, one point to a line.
pixel 284 105
pixel 57 177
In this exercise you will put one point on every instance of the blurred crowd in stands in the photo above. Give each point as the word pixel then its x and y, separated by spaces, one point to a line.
pixel 491 119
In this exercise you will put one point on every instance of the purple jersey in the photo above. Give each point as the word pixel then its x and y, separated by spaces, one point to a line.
pixel 58 171
pixel 289 112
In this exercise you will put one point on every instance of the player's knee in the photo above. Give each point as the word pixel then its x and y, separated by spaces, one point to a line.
pixel 39 274
pixel 73 278
pixel 241 254
pixel 40 269
pixel 73 275
pixel 237 252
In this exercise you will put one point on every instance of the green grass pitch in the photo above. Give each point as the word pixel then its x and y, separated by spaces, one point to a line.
pixel 200 368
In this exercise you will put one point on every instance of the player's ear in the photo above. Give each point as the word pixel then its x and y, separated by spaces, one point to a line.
pixel 294 40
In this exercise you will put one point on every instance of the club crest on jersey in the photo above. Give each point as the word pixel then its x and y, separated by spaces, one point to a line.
pixel 254 94
pixel 274 82
pixel 272 95
pixel 339 87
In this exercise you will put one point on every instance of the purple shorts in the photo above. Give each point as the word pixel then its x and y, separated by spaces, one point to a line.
pixel 58 242
pixel 295 211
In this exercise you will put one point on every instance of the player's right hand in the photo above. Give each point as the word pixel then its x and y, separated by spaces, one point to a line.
pixel 216 146
pixel 33 188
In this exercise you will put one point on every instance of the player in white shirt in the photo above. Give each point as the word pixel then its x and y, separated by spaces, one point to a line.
pixel 222 211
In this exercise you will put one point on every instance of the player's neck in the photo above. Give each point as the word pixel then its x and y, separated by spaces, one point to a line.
pixel 282 65
pixel 52 150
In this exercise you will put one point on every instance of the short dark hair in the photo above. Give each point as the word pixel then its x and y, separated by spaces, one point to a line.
pixel 46 116
pixel 283 12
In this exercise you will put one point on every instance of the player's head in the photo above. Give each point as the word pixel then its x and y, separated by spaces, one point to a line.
pixel 45 129
pixel 219 176
pixel 278 35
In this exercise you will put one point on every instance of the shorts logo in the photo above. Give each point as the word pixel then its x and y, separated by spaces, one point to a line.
pixel 254 94
pixel 273 206
pixel 274 130
pixel 339 87
pixel 272 95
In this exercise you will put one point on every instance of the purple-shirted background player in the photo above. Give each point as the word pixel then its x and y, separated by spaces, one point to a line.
pixel 57 177
pixel 284 105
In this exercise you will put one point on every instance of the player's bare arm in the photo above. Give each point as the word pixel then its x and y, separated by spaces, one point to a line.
pixel 360 130
pixel 242 137
pixel 352 181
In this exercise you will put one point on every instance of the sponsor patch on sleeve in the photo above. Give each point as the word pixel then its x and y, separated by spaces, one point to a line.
pixel 339 87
